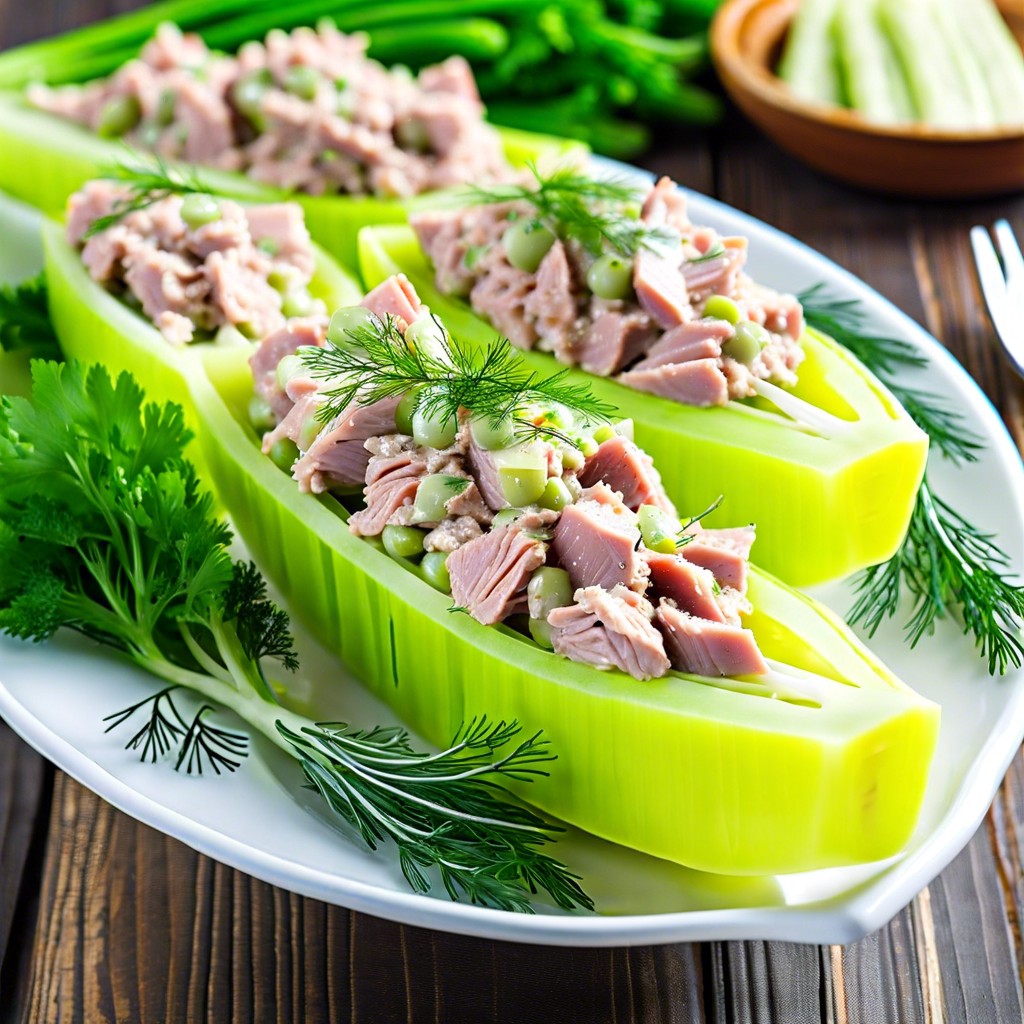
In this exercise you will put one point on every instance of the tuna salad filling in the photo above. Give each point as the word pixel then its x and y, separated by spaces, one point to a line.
pixel 618 283
pixel 307 111
pixel 526 506
pixel 199 267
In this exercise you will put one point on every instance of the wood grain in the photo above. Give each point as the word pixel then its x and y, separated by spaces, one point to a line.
pixel 133 926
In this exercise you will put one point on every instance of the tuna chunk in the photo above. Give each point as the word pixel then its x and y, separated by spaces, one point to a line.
pixel 666 204
pixel 273 348
pixel 691 587
pixel 391 483
pixel 453 76
pixel 660 288
pixel 696 339
pixel 625 468
pixel 716 274
pixel 700 382
pixel 489 575
pixel 596 544
pixel 724 553
pixel 501 296
pixel 610 629
pixel 338 455
pixel 552 304
pixel 284 226
pixel 485 473
pixel 707 648
pixel 613 341
pixel 394 297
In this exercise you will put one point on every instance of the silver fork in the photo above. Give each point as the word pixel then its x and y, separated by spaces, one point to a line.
pixel 1002 284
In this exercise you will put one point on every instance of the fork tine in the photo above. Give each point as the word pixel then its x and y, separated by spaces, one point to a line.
pixel 990 275
pixel 1013 263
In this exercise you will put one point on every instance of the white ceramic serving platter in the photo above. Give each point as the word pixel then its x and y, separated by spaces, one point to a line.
pixel 261 821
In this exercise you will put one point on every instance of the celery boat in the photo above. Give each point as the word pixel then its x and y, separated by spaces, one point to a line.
pixel 825 765
pixel 830 491
pixel 43 159
pixel 95 326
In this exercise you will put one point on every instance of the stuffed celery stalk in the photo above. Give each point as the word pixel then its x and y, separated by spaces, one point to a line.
pixel 475 538
pixel 727 389
pixel 305 113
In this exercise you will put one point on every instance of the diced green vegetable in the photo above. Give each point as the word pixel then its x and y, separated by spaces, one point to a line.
pixel 261 415
pixel 748 338
pixel 549 588
pixel 526 243
pixel 302 81
pixel 118 117
pixel 435 571
pixel 522 473
pixel 433 431
pixel 434 492
pixel 611 277
pixel 659 530
pixel 344 320
pixel 297 303
pixel 489 434
pixel 555 495
pixel 283 453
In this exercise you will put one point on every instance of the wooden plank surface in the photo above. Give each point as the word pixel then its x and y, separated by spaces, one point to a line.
pixel 103 919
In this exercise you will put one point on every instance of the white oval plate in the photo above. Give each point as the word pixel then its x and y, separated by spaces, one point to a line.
pixel 261 821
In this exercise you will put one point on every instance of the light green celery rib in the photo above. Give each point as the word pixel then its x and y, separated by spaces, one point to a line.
pixel 983 31
pixel 931 72
pixel 874 79
pixel 969 62
pixel 809 63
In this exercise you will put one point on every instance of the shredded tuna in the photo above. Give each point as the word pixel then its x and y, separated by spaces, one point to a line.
pixel 273 348
pixel 597 545
pixel 610 629
pixel 191 279
pixel 362 129
pixel 621 465
pixel 391 483
pixel 657 338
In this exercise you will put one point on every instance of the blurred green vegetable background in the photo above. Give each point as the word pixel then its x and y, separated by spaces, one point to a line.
pixel 602 71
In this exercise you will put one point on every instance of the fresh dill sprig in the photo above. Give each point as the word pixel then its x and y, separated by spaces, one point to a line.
pixel 149 180
pixel 597 213
pixel 948 565
pixel 25 318
pixel 436 810
pixel 104 529
pixel 684 537
pixel 378 363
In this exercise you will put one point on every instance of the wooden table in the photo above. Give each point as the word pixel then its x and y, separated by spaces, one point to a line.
pixel 103 919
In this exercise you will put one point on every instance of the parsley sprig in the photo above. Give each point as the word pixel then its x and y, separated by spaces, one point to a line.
pixel 25 318
pixel 105 529
pixel 598 213
pixel 377 363
pixel 148 181
pixel 949 567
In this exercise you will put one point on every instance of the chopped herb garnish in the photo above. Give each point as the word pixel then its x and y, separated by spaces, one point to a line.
pixel 25 318
pixel 378 363
pixel 597 213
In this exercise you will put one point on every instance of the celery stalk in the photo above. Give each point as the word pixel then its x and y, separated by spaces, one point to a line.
pixel 935 80
pixel 809 63
pixel 968 61
pixel 982 30
pixel 874 80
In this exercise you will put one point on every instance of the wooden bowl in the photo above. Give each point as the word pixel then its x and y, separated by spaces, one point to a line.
pixel 914 161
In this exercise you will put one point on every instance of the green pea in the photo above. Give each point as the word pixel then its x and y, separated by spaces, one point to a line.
pixel 605 433
pixel 556 495
pixel 119 116
pixel 165 107
pixel 290 366
pixel 611 277
pixel 248 92
pixel 548 589
pixel 403 541
pixel 412 134
pixel 426 335
pixel 198 208
pixel 375 542
pixel 746 342
pixel 283 279
pixel 406 409
pixel 541 633
pixel 522 473
pixel 526 243
pixel 302 80
pixel 431 431
pixel 658 529
pixel 435 571
pixel 489 435
pixel 261 415
pixel 345 319
pixel 721 307
pixel 433 493
pixel 283 453
pixel 297 303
